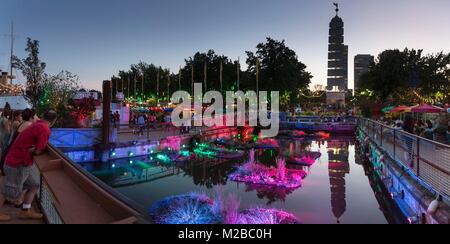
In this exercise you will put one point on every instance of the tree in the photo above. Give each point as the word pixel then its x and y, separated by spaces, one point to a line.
pixel 33 70
pixel 56 92
pixel 213 65
pixel 280 69
pixel 409 77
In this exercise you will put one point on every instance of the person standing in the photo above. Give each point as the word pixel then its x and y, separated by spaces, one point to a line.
pixel 21 174
pixel 5 129
pixel 429 131
pixel 17 120
pixel 141 124
pixel 117 118
pixel 28 118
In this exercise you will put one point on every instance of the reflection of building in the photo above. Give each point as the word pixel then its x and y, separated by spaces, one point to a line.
pixel 338 167
pixel 362 63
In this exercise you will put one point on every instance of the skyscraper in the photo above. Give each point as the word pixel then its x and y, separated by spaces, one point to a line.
pixel 362 63
pixel 337 55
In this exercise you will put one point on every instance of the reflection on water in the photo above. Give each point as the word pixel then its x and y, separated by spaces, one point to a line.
pixel 336 189
pixel 338 167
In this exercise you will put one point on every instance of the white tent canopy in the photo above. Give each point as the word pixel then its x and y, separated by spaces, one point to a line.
pixel 16 102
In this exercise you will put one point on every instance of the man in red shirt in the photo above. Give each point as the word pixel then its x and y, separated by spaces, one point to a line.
pixel 20 173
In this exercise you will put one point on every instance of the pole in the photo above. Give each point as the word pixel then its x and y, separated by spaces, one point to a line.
pixel 205 76
pixel 135 86
pixel 12 52
pixel 192 80
pixel 179 79
pixel 157 85
pixel 221 75
pixel 128 88
pixel 238 74
pixel 106 112
pixel 257 77
pixel 168 87
pixel 142 91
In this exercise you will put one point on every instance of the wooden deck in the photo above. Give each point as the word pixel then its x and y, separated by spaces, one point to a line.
pixel 14 212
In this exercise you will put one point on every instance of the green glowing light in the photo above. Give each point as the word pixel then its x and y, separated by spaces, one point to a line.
pixel 185 153
pixel 164 158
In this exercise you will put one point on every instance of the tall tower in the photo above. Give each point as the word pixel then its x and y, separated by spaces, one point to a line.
pixel 337 55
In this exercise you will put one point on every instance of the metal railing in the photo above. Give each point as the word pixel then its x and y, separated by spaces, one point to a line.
pixel 46 197
pixel 428 160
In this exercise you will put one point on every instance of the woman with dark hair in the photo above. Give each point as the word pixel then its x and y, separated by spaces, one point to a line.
pixel 16 120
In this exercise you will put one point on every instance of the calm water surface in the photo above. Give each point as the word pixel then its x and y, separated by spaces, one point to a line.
pixel 336 190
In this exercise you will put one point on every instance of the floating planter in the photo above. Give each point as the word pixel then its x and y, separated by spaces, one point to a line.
pixel 255 173
pixel 185 209
pixel 205 150
pixel 258 216
pixel 323 135
pixel 267 144
pixel 305 159
pixel 200 209
pixel 271 193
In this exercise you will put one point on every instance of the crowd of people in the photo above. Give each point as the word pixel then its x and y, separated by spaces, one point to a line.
pixel 139 122
pixel 419 127
pixel 22 136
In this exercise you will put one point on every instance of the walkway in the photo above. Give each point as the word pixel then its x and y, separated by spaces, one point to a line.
pixel 429 160
pixel 13 212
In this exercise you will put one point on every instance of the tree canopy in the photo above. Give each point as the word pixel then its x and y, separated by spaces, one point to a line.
pixel 33 69
pixel 408 76
pixel 280 70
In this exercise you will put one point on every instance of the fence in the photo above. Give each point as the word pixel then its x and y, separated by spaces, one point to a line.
pixel 428 160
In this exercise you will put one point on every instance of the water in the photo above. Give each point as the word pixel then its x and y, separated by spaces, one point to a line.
pixel 336 190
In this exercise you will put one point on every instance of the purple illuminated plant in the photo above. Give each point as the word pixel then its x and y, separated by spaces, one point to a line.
pixel 267 216
pixel 199 209
pixel 281 169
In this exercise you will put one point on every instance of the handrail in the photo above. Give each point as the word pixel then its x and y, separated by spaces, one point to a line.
pixel 409 134
pixel 427 159
pixel 92 187
pixel 100 183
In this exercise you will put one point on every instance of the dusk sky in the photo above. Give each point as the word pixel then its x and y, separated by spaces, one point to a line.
pixel 96 38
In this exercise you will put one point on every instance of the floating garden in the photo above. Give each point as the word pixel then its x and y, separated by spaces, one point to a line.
pixel 206 150
pixel 299 134
pixel 304 159
pixel 255 173
pixel 198 208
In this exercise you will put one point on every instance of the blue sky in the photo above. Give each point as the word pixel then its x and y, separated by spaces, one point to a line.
pixel 96 38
